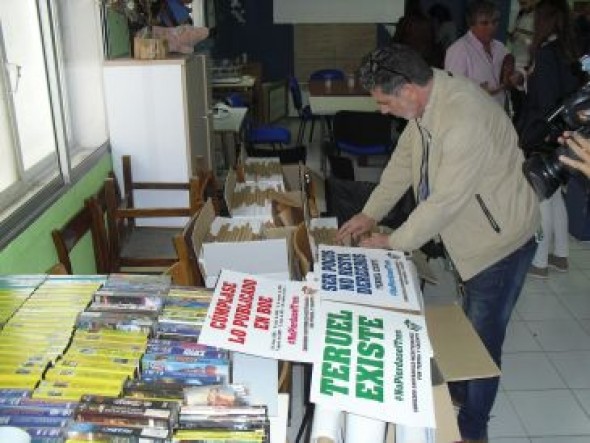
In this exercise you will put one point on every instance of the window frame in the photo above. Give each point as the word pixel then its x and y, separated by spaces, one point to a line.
pixel 37 189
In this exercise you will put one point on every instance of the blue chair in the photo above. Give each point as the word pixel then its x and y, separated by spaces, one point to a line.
pixel 363 133
pixel 304 111
pixel 327 74
pixel 260 134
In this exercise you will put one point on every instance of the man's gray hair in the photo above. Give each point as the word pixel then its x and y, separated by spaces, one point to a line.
pixel 393 66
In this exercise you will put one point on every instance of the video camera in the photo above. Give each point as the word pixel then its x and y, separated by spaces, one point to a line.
pixel 544 171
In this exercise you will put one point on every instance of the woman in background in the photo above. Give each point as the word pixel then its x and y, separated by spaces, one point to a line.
pixel 553 75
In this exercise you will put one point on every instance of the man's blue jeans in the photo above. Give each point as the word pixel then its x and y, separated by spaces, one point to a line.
pixel 488 301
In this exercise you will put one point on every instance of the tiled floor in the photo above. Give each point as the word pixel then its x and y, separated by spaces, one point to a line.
pixel 545 389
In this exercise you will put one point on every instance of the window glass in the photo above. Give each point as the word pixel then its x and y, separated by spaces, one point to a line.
pixel 30 89
pixel 82 61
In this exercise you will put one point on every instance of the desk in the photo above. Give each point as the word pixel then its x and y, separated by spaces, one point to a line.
pixel 326 102
pixel 230 124
pixel 339 97
pixel 245 86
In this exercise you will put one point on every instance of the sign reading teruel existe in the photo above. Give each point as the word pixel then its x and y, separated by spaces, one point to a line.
pixel 260 316
pixel 375 277
pixel 373 362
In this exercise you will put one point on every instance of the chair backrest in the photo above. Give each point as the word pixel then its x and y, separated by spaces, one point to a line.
pixel 363 128
pixel 327 74
pixel 235 100
pixel 68 236
pixel 121 212
pixel 341 167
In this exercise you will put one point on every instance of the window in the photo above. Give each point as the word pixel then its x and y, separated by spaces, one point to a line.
pixel 52 112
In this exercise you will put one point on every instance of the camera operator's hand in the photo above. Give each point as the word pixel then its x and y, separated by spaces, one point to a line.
pixel 380 241
pixel 581 147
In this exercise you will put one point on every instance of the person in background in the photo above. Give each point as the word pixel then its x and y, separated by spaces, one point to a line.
pixel 581 147
pixel 478 56
pixel 461 165
pixel 444 26
pixel 554 74
pixel 416 30
pixel 520 38
pixel 582 27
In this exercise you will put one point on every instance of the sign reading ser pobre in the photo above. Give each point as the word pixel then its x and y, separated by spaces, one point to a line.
pixel 375 277
pixel 260 316
pixel 373 362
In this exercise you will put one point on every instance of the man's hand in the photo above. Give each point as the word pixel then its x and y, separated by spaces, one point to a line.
pixel 355 227
pixel 380 241
pixel 581 147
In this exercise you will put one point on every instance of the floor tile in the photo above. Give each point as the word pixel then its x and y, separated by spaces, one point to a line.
pixel 552 412
pixel 560 335
pixel 580 258
pixel 540 307
pixel 577 304
pixel 579 439
pixel 529 371
pixel 533 284
pixel 574 368
pixel 519 338
pixel 583 396
pixel 503 421
pixel 585 324
pixel 509 440
pixel 569 282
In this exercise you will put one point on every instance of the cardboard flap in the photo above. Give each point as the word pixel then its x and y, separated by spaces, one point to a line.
pixel 228 190
pixel 446 421
pixel 202 226
pixel 458 350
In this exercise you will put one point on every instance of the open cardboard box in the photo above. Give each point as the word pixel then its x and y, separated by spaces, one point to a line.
pixel 285 207
pixel 271 256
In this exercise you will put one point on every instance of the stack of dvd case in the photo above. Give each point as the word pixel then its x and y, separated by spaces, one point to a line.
pixel 184 311
pixel 14 290
pixel 95 363
pixel 215 423
pixel 45 421
pixel 103 418
pixel 41 329
pixel 126 293
pixel 184 362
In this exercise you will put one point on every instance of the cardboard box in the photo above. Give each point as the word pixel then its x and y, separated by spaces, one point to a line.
pixel 273 254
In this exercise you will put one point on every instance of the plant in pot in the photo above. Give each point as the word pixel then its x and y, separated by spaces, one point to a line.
pixel 140 15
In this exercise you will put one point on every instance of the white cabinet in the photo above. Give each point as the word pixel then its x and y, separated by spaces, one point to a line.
pixel 159 112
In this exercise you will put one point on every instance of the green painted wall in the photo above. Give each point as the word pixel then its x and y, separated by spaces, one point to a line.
pixel 33 252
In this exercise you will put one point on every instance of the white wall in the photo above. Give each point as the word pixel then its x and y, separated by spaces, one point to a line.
pixel 337 11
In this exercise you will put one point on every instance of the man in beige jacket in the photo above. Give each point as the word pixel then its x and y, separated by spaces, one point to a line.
pixel 459 152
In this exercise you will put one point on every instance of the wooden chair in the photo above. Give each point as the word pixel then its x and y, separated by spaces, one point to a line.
pixel 68 236
pixel 133 246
